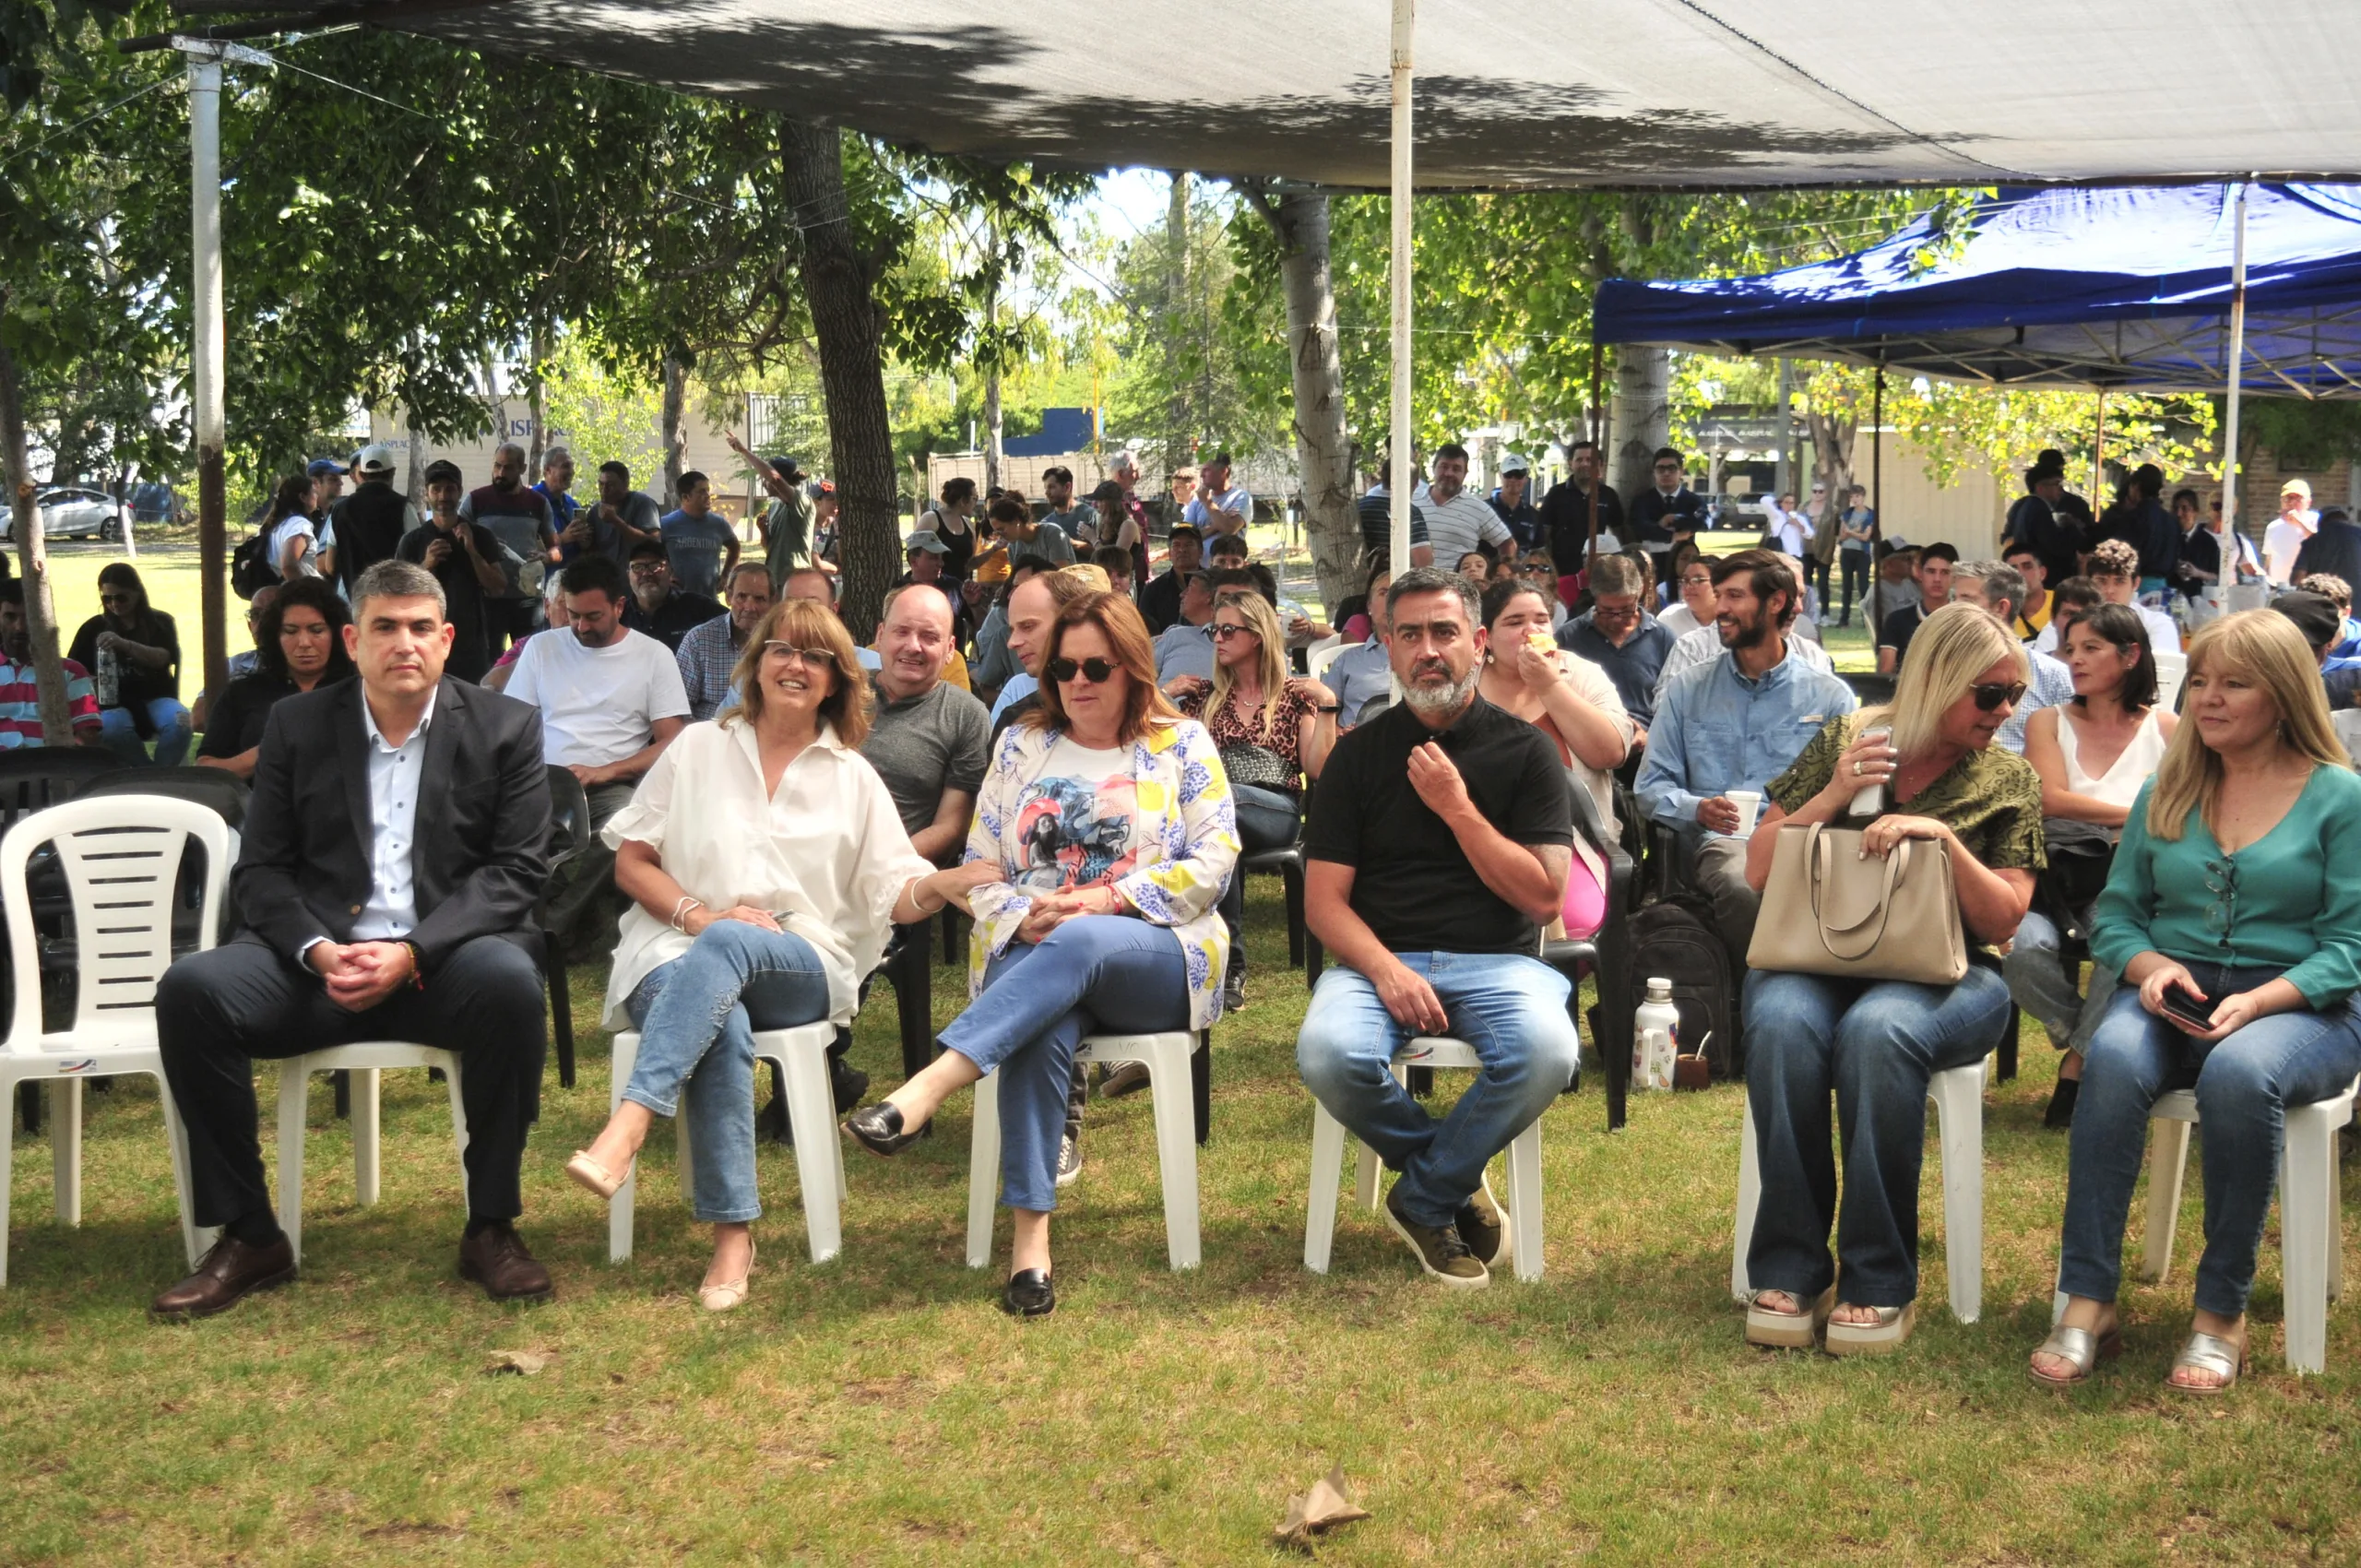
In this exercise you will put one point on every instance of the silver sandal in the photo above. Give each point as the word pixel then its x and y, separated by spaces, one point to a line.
pixel 2225 1358
pixel 1878 1338
pixel 2080 1349
pixel 1796 1330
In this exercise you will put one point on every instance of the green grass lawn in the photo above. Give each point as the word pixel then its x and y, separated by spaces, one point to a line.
pixel 880 1409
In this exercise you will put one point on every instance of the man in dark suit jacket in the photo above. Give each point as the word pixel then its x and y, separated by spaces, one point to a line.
pixel 2334 549
pixel 395 846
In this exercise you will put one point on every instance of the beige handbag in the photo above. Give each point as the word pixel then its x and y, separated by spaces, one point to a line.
pixel 1827 910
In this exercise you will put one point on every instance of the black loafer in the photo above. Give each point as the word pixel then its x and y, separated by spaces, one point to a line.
pixel 2061 1113
pixel 878 1129
pixel 1028 1293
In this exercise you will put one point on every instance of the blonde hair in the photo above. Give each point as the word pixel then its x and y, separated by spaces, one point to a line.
pixel 1270 657
pixel 2265 647
pixel 1950 649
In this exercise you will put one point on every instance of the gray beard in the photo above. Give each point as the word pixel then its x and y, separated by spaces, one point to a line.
pixel 1447 699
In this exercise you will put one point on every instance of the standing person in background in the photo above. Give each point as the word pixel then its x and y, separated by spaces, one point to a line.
pixel 1458 520
pixel 2290 531
pixel 1076 520
pixel 1825 524
pixel 292 538
pixel 521 519
pixel 556 487
pixel 2038 523
pixel 620 518
pixel 701 543
pixel 790 528
pixel 464 557
pixel 2138 519
pixel 2334 548
pixel 369 524
pixel 1218 507
pixel 1565 516
pixel 328 487
pixel 1668 512
pixel 133 655
pixel 1855 532
pixel 1024 540
pixel 950 520
pixel 1110 525
pixel 2075 509
pixel 1513 505
pixel 1376 510
pixel 1791 531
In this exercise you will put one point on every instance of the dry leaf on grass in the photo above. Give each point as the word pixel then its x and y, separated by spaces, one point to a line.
pixel 1323 1509
pixel 521 1363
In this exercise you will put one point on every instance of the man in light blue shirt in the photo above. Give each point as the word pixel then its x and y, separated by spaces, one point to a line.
pixel 1363 674
pixel 1736 723
pixel 1186 647
pixel 2047 680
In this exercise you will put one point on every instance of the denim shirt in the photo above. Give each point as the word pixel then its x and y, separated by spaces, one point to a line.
pixel 2048 684
pixel 1717 731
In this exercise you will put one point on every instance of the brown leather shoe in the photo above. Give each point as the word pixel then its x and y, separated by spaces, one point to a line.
pixel 495 1258
pixel 226 1276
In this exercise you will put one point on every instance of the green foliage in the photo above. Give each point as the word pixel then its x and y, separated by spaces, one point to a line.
pixel 2299 432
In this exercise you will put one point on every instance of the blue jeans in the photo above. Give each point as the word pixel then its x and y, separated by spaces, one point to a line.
pixel 1510 1007
pixel 1096 974
pixel 120 733
pixel 697 1017
pixel 1267 819
pixel 2244 1084
pixel 1876 1044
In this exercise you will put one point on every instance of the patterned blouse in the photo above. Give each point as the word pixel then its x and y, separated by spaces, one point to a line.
pixel 1230 728
pixel 1168 850
pixel 1990 799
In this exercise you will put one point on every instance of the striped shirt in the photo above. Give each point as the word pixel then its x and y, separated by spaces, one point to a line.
pixel 20 704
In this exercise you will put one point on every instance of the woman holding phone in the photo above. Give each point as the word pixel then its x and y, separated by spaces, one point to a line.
pixel 2234 915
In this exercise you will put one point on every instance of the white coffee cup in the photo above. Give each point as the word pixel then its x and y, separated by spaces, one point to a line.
pixel 1750 806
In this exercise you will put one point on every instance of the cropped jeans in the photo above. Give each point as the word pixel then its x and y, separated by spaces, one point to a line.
pixel 1510 1007
pixel 697 1017
pixel 1875 1044
pixel 1094 974
pixel 119 731
pixel 2244 1086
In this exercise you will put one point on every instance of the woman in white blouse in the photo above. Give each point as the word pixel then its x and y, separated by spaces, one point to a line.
pixel 2093 755
pixel 766 864
pixel 1105 831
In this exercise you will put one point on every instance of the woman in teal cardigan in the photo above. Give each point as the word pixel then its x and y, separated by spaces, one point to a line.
pixel 2239 887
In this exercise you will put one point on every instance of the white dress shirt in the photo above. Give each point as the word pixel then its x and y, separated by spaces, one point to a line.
pixel 391 909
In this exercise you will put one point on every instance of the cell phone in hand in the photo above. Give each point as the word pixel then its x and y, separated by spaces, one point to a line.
pixel 2187 1010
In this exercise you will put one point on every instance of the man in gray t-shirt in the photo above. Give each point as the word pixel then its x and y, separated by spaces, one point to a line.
pixel 929 741
pixel 701 542
pixel 620 518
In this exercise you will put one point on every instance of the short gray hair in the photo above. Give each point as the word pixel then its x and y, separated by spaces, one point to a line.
pixel 1122 461
pixel 399 579
pixel 553 454
pixel 1433 579
pixel 2002 582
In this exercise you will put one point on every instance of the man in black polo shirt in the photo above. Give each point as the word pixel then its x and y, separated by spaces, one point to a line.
pixel 1933 573
pixel 1438 841
pixel 659 606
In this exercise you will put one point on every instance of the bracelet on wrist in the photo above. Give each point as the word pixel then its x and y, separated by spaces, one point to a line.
pixel 680 912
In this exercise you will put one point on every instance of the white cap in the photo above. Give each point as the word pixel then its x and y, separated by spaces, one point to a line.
pixel 377 459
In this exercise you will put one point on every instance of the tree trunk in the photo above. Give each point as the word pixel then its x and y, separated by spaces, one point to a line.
pixel 537 406
pixel 1323 455
pixel 672 437
pixel 839 287
pixel 1179 446
pixel 415 474
pixel 1641 413
pixel 41 607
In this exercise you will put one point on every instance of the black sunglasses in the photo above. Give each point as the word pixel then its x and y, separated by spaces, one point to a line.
pixel 1989 698
pixel 1097 670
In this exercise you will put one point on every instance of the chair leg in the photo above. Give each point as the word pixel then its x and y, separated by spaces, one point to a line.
pixel 561 1009
pixel 29 1098
pixel 1364 1174
pixel 619 1209
pixel 983 1170
pixel 1291 878
pixel 1750 1195
pixel 65 1147
pixel 1327 1168
pixel 951 935
pixel 176 1146
pixel 458 1125
pixel 2306 1230
pixel 1176 1148
pixel 1959 1113
pixel 343 1080
pixel 2335 1216
pixel 8 1167
pixel 367 1104
pixel 2167 1161
pixel 1525 1202
pixel 294 1081
pixel 2008 1044
pixel 1314 957
pixel 811 1112
pixel 1200 1083
pixel 913 981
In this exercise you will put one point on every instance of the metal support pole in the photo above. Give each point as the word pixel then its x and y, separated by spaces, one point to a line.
pixel 1598 453
pixel 1405 14
pixel 2237 360
pixel 2098 453
pixel 1877 457
pixel 206 396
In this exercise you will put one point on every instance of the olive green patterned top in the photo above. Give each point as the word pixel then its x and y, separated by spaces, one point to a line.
pixel 1990 798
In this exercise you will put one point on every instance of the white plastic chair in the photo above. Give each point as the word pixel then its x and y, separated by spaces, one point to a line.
pixel 803 1056
pixel 365 1060
pixel 1166 1056
pixel 121 855
pixel 1328 1142
pixel 1318 656
pixel 2310 1229
pixel 1957 1095
pixel 2171 669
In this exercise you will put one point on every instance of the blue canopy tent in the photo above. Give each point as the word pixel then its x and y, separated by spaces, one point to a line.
pixel 2147 287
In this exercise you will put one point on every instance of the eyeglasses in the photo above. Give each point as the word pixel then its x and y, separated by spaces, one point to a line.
pixel 1221 634
pixel 1668 467
pixel 2222 881
pixel 649 568
pixel 810 658
pixel 1098 672
pixel 1989 698
pixel 1696 579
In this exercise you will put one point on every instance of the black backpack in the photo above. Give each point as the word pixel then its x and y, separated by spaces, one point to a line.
pixel 250 566
pixel 1675 940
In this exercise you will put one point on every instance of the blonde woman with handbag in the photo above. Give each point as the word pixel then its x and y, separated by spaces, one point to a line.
pixel 1875 1044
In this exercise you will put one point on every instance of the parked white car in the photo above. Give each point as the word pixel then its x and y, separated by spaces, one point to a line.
pixel 69 512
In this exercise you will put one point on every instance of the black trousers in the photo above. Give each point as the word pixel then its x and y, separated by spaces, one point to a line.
pixel 217 1012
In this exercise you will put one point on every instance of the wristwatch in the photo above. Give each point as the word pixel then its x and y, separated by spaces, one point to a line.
pixel 1328 707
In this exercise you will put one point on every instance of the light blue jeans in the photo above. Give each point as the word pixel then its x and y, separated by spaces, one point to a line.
pixel 697 1017
pixel 1096 974
pixel 1874 1045
pixel 1510 1007
pixel 120 733
pixel 2244 1086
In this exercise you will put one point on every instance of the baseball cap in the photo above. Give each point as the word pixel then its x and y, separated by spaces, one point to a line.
pixel 1514 463
pixel 1188 529
pixel 926 539
pixel 786 467
pixel 375 458
pixel 321 466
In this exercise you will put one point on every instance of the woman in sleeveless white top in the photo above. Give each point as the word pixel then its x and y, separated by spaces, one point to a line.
pixel 2119 785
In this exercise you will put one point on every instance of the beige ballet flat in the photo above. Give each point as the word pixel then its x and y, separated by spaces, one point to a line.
pixel 730 1292
pixel 588 1172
